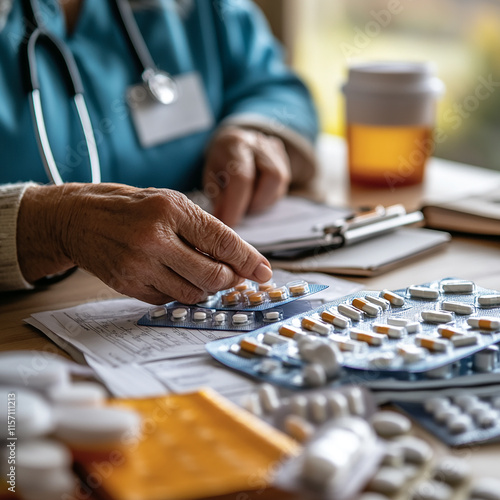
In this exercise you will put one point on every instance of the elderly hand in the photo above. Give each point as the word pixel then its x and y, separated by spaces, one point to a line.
pixel 152 244
pixel 246 171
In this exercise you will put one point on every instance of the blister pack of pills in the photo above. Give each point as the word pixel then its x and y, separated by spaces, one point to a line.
pixel 253 296
pixel 177 315
pixel 461 420
pixel 413 330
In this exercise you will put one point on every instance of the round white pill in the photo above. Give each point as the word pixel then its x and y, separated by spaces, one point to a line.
pixel 339 407
pixel 199 315
pixel 432 490
pixel 33 414
pixel 84 427
pixel 328 356
pixel 314 375
pixel 458 424
pixel 415 450
pixel 179 313
pixel 387 480
pixel 388 424
pixel 78 394
pixel 485 489
pixel 436 403
pixel 272 315
pixel 158 312
pixel 451 470
pixel 240 319
pixel 269 398
pixel 298 428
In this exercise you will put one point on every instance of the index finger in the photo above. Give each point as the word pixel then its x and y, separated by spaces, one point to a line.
pixel 208 234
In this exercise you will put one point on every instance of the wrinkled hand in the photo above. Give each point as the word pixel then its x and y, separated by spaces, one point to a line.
pixel 152 244
pixel 246 171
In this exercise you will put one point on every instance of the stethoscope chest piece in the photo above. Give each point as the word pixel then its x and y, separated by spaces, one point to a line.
pixel 160 85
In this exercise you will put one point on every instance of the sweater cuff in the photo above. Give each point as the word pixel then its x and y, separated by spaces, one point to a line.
pixel 11 277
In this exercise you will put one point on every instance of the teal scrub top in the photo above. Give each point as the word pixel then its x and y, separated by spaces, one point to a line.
pixel 227 42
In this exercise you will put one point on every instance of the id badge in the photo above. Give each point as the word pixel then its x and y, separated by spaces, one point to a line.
pixel 156 123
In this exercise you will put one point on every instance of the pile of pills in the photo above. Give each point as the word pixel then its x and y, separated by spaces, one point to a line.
pixel 459 420
pixel 420 329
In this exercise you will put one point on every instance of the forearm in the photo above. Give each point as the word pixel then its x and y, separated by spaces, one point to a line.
pixel 41 224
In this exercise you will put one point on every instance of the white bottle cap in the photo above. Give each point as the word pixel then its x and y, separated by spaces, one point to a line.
pixel 392 93
pixel 78 394
pixel 90 427
pixel 33 416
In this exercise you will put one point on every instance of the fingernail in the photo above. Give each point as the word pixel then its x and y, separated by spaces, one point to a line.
pixel 263 273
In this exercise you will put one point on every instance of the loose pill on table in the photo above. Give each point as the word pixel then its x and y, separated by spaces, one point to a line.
pixel 423 292
pixel 379 301
pixel 272 315
pixel 299 428
pixel 388 424
pixel 432 490
pixel 231 298
pixel 458 424
pixel 249 344
pixel 485 489
pixel 199 316
pixel 271 338
pixel 299 288
pixel 269 398
pixel 489 300
pixel 458 286
pixel 432 343
pixel 393 332
pixel 277 294
pixel 350 312
pixel 338 404
pixel 314 375
pixel 157 312
pixel 179 313
pixel 411 353
pixel 291 332
pixel 374 339
pixel 393 298
pixel 415 450
pixel 240 319
pixel 485 322
pixel 387 480
pixel 457 307
pixel 436 316
pixel 451 470
pixel 335 319
pixel 257 298
pixel 317 326
pixel 367 307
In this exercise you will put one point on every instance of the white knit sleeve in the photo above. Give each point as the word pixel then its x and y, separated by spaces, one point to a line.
pixel 11 277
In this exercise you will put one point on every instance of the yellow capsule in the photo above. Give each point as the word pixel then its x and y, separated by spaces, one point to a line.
pixel 231 298
pixel 280 293
pixel 257 298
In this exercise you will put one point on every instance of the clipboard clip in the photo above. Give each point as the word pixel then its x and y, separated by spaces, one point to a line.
pixel 344 232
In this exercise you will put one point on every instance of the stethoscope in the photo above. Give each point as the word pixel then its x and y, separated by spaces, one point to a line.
pixel 160 85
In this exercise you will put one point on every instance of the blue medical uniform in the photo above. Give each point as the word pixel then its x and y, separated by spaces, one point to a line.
pixel 226 41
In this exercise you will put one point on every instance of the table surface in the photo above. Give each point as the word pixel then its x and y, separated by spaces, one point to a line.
pixel 476 259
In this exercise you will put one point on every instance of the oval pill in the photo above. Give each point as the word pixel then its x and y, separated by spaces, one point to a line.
pixel 423 292
pixel 157 312
pixel 458 286
pixel 486 322
pixel 314 325
pixel 350 312
pixel 436 316
pixel 393 332
pixel 442 415
pixel 338 404
pixel 389 424
pixel 370 338
pixel 300 429
pixel 457 307
pixel 378 301
pixel 457 424
pixel 411 353
pixel 466 401
pixel 179 313
pixel 199 316
pixel 415 450
pixel 240 319
pixel 335 319
pixel 451 470
pixel 393 298
pixel 272 315
pixel 365 306
pixel 219 318
pixel 387 480
pixel 432 343
pixel 489 300
pixel 314 375
pixel 487 418
pixel 431 405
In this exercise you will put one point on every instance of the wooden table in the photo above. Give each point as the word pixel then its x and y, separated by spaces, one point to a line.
pixel 470 258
